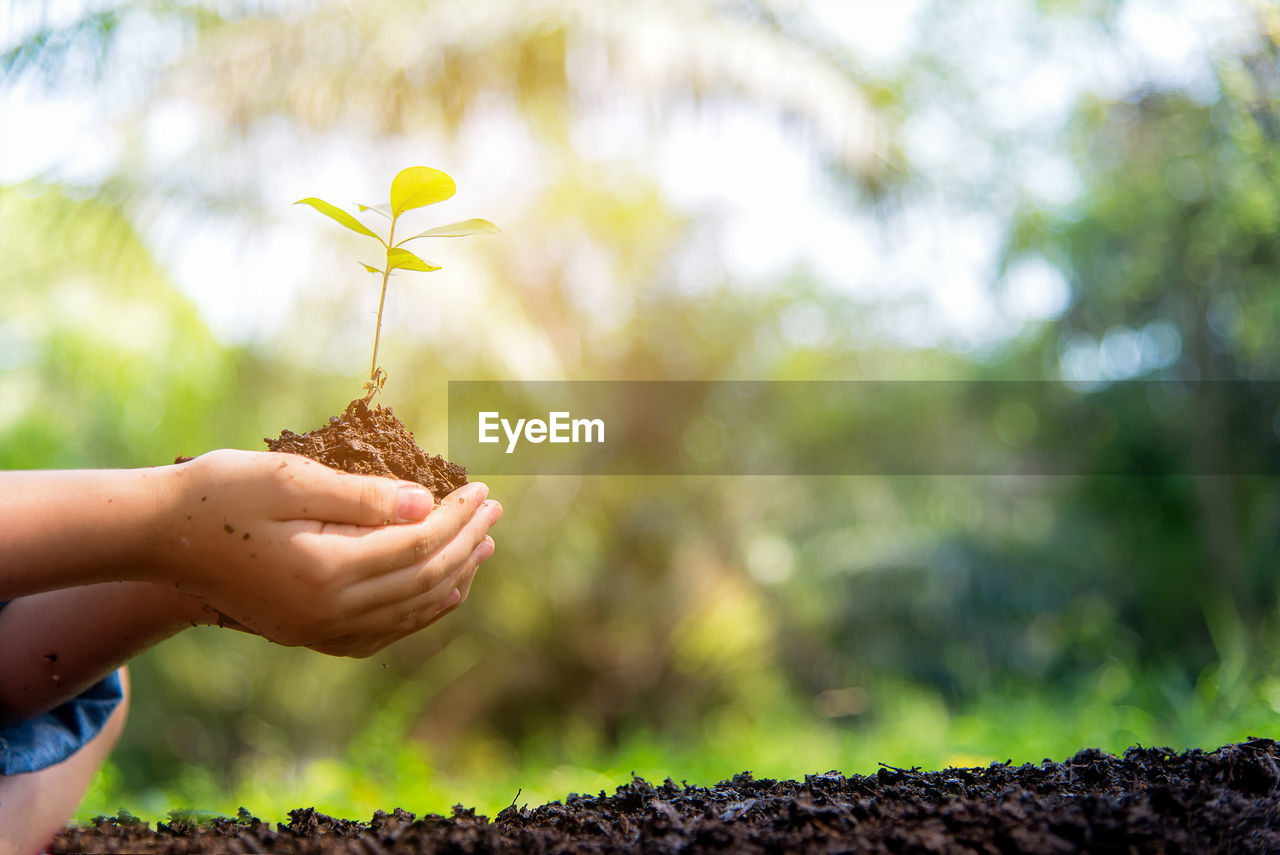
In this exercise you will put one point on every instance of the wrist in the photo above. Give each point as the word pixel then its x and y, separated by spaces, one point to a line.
pixel 161 490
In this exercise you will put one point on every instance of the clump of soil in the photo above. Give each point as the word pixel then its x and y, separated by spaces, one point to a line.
pixel 1150 800
pixel 368 441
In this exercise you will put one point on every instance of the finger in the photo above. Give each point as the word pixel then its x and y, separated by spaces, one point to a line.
pixel 335 646
pixel 450 606
pixel 406 615
pixel 315 492
pixel 467 549
pixel 360 645
pixel 388 640
pixel 361 553
pixel 483 551
pixel 411 614
pixel 368 633
pixel 463 581
pixel 463 588
pixel 402 570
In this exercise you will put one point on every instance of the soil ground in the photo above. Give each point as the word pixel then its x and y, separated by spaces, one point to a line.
pixel 1151 800
pixel 373 442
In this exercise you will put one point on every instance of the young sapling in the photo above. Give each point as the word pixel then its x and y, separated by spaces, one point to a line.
pixel 414 187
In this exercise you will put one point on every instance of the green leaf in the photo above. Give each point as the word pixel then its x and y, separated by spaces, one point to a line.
pixel 339 215
pixel 370 267
pixel 403 259
pixel 418 186
pixel 458 229
pixel 384 210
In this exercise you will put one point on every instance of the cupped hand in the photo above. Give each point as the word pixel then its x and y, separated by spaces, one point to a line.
pixel 305 555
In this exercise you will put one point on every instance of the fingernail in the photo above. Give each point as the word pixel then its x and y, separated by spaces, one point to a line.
pixel 450 600
pixel 485 549
pixel 495 512
pixel 478 491
pixel 413 504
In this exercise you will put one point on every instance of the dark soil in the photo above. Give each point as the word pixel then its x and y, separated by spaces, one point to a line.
pixel 1151 800
pixel 373 442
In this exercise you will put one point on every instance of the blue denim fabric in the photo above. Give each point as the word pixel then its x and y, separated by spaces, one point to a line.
pixel 50 738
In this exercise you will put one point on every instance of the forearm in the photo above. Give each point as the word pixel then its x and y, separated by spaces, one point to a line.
pixel 55 645
pixel 59 529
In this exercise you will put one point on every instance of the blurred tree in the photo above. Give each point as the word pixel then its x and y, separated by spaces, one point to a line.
pixel 104 364
pixel 1172 252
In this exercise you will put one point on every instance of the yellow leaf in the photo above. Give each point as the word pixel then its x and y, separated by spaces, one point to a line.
pixel 459 229
pixel 339 215
pixel 418 186
pixel 402 259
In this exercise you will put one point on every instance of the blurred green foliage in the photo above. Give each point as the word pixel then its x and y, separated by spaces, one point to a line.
pixel 682 627
pixel 91 321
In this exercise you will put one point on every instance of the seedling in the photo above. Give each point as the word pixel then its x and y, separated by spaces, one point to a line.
pixel 415 187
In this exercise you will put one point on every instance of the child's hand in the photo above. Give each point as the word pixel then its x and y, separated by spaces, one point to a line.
pixel 361 646
pixel 305 555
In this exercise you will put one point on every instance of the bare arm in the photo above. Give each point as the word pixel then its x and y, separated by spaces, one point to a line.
pixel 56 644
pixel 61 529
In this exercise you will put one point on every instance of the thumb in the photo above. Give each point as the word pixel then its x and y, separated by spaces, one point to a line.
pixel 368 500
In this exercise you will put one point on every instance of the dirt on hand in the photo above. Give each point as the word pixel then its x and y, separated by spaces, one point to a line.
pixel 373 441
pixel 1151 800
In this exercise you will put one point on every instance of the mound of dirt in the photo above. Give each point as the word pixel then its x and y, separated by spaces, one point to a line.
pixel 1151 800
pixel 368 441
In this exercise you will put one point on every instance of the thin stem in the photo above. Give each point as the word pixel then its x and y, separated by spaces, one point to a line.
pixel 377 330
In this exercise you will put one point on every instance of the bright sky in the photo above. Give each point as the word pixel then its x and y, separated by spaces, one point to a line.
pixel 937 263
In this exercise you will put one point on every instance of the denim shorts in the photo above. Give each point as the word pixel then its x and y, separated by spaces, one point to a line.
pixel 52 737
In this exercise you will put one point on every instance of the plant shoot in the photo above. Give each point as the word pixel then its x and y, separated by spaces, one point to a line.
pixel 415 187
